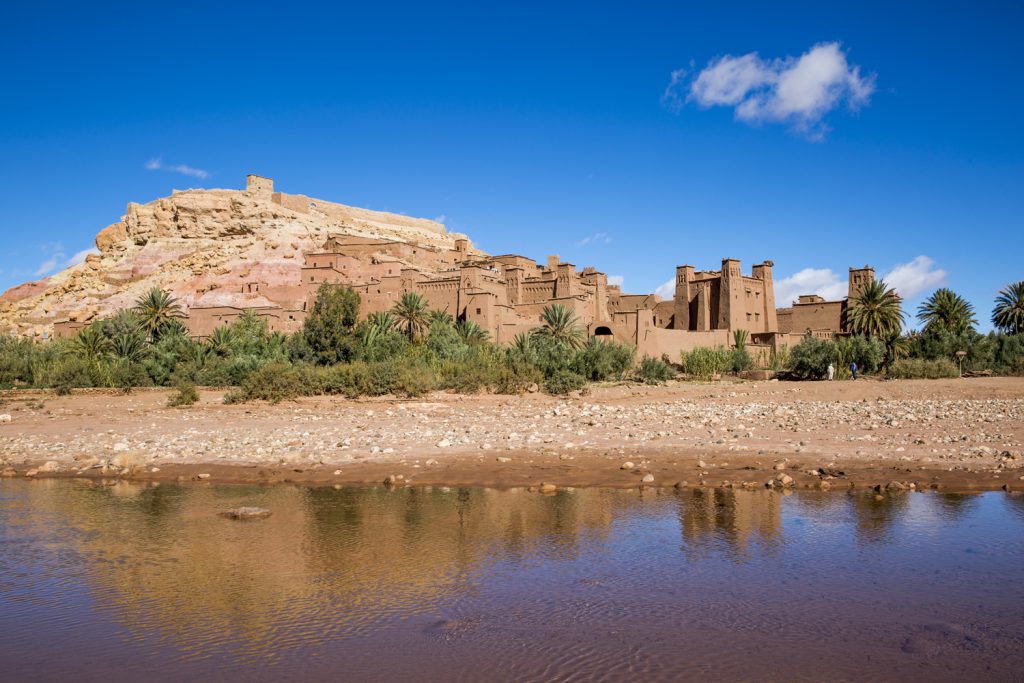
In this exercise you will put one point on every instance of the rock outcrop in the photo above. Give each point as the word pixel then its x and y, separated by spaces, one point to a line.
pixel 203 246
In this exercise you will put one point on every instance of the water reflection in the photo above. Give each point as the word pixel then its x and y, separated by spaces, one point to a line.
pixel 331 565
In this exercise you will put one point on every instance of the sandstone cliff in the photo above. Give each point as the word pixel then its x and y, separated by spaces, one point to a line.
pixel 203 245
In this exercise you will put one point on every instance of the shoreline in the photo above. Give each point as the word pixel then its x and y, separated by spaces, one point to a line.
pixel 961 435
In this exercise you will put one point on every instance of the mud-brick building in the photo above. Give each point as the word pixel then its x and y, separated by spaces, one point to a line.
pixel 812 314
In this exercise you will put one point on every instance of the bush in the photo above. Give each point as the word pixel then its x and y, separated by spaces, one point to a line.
pixel 654 371
pixel 810 358
pixel 275 382
pixel 186 395
pixel 918 368
pixel 563 381
pixel 704 362
pixel 741 360
pixel 414 379
pixel 600 360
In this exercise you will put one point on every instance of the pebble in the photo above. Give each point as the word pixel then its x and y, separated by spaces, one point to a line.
pixel 444 443
pixel 627 465
pixel 246 512
pixel 547 488
pixel 6 417
pixel 648 478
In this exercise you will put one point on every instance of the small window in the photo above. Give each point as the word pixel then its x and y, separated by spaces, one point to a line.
pixel 478 311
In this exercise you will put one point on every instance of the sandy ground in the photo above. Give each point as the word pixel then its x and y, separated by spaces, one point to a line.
pixel 957 435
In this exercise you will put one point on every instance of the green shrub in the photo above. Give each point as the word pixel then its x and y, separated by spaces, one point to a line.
pixel 414 379
pixel 654 371
pixel 810 358
pixel 563 381
pixel 704 363
pixel 603 360
pixel 276 382
pixel 918 368
pixel 741 360
pixel 186 395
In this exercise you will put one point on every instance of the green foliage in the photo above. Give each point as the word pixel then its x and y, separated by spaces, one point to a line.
pixel 876 311
pixel 276 382
pixel 810 358
pixel 740 338
pixel 741 360
pixel 156 309
pixel 918 368
pixel 412 314
pixel 186 395
pixel 654 371
pixel 1008 314
pixel 703 362
pixel 948 311
pixel 327 329
pixel 561 326
pixel 603 360
pixel 563 382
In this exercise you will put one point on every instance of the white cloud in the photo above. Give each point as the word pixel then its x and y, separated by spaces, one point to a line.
pixel 49 265
pixel 442 219
pixel 596 238
pixel 157 164
pixel 667 290
pixel 615 280
pixel 79 257
pixel 670 98
pixel 821 281
pixel 798 91
pixel 910 279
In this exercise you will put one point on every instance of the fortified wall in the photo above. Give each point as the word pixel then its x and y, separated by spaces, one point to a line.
pixel 506 294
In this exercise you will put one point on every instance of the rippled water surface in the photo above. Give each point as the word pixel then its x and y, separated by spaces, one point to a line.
pixel 139 582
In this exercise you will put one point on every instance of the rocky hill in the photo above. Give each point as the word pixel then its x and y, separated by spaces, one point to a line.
pixel 201 245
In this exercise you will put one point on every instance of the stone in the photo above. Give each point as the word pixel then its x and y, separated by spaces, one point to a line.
pixel 627 465
pixel 5 418
pixel 246 512
pixel 503 459
pixel 648 479
pixel 203 475
pixel 391 480
pixel 8 472
pixel 31 473
pixel 779 466
pixel 547 488
pixel 50 466
pixel 444 443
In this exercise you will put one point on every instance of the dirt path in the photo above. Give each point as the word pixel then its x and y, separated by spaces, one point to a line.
pixel 953 434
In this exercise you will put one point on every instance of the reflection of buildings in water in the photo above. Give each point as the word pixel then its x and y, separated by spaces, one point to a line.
pixel 729 521
pixel 876 514
pixel 327 564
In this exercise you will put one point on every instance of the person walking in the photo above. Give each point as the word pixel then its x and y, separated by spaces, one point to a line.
pixel 853 370
pixel 831 372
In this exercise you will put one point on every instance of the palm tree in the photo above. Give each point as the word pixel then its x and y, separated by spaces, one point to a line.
pixel 385 321
pixel 1008 314
pixel 221 340
pixel 90 343
pixel 521 343
pixel 443 317
pixel 896 346
pixel 156 309
pixel 876 312
pixel 560 326
pixel 945 309
pixel 411 312
pixel 129 346
pixel 740 337
pixel 472 334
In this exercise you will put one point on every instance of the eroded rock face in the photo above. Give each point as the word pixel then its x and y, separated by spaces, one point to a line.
pixel 203 246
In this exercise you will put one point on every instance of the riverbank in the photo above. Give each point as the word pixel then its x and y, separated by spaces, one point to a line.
pixel 955 435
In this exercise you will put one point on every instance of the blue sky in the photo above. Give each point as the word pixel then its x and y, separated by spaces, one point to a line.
pixel 630 136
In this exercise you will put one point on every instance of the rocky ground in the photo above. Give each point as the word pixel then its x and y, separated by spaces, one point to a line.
pixel 962 434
